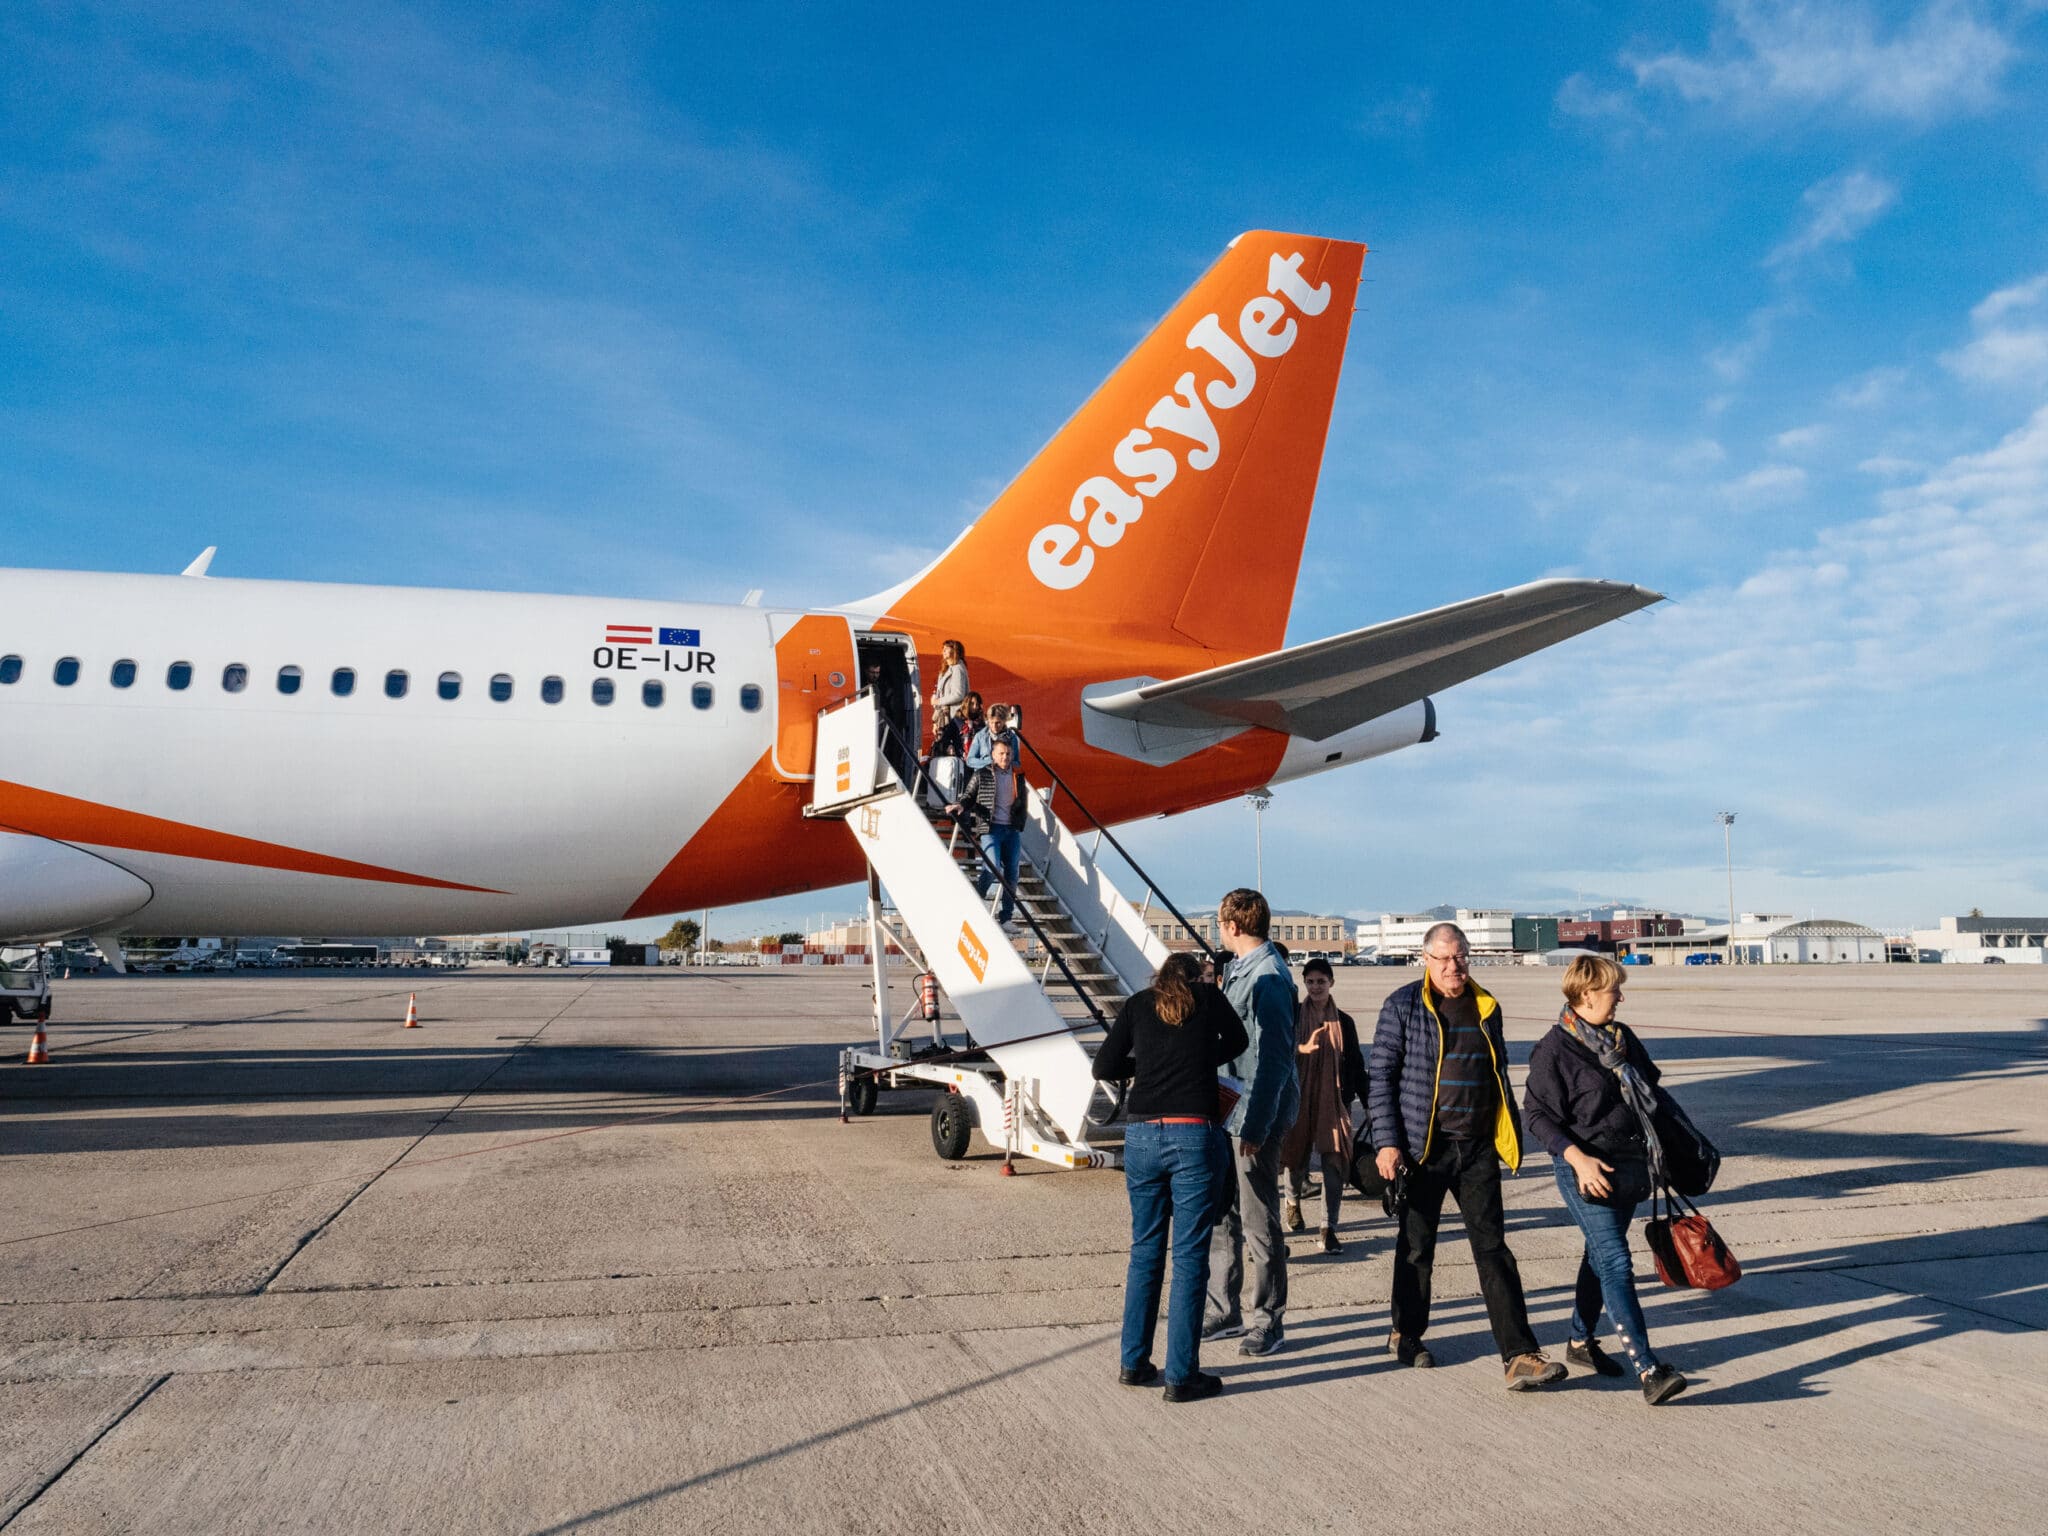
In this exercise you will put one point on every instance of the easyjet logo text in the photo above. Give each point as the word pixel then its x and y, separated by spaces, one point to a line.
pixel 973 951
pixel 1179 427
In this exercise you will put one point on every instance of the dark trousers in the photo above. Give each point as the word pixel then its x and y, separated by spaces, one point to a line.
pixel 1469 1172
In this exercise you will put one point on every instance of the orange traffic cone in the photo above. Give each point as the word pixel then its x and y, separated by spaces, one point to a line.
pixel 412 1011
pixel 39 1048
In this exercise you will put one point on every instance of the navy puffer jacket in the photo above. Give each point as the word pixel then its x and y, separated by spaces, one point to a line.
pixel 1407 1060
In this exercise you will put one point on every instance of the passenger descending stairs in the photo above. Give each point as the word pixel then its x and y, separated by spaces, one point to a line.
pixel 1035 1020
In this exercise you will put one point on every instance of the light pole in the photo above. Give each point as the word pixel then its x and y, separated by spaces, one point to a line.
pixel 1727 820
pixel 1260 799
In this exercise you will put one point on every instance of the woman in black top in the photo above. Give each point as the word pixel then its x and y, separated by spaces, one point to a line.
pixel 1591 1102
pixel 1171 1038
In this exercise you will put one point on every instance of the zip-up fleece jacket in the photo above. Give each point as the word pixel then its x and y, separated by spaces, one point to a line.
pixel 1261 989
pixel 1407 1062
pixel 977 798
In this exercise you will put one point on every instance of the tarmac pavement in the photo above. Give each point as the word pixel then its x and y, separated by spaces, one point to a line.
pixel 591 1252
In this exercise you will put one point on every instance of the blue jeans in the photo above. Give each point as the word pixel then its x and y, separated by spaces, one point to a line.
pixel 1607 1276
pixel 1001 846
pixel 1177 1173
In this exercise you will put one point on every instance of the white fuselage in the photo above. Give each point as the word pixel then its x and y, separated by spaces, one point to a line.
pixel 556 813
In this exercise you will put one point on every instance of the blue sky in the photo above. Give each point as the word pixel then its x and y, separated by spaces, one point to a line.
pixel 1747 302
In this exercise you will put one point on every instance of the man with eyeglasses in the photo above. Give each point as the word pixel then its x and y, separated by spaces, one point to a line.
pixel 1440 1107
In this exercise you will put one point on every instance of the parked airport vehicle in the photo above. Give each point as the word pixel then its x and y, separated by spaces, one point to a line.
pixel 25 984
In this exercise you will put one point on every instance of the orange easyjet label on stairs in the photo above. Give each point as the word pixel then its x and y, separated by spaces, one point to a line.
pixel 973 951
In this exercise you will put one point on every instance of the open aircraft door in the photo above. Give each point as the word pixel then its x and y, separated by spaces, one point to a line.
pixel 815 668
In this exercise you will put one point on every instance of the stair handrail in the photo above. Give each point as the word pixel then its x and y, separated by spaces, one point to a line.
pixel 1152 887
pixel 922 778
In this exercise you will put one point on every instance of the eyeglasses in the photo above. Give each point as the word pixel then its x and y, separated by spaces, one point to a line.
pixel 1451 962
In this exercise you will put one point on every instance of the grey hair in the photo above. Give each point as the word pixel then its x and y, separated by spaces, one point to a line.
pixel 1440 929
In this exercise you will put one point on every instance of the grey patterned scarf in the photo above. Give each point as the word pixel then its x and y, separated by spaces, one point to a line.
pixel 1606 1043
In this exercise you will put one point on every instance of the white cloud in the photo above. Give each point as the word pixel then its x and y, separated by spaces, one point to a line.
pixel 1732 361
pixel 1403 113
pixel 1868 391
pixel 1768 54
pixel 1890 465
pixel 2004 353
pixel 1580 97
pixel 1841 208
pixel 1701 453
pixel 1945 573
pixel 1997 306
pixel 2002 357
pixel 1768 486
pixel 1798 440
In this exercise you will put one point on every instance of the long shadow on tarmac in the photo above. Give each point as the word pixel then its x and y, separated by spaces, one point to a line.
pixel 1905 1318
pixel 809 1442
pixel 192 1099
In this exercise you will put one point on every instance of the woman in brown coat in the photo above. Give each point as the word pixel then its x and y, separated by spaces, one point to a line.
pixel 1332 1073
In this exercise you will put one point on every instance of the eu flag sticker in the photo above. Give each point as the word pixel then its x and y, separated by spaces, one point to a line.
pixel 683 637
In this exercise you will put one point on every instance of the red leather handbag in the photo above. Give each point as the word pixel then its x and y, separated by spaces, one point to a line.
pixel 1688 1251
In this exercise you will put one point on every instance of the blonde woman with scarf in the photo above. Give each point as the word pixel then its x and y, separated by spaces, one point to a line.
pixel 1332 1075
pixel 1591 1101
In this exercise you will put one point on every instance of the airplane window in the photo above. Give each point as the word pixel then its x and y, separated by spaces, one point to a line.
pixel 288 679
pixel 179 676
pixel 750 698
pixel 67 671
pixel 551 690
pixel 234 677
pixel 501 687
pixel 700 695
pixel 10 669
pixel 650 694
pixel 600 690
pixel 344 682
pixel 394 684
pixel 451 685
pixel 123 675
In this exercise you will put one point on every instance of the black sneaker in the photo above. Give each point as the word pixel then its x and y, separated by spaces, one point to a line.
pixel 1661 1385
pixel 1411 1352
pixel 1262 1341
pixel 1194 1389
pixel 1138 1375
pixel 1326 1240
pixel 1221 1330
pixel 1593 1358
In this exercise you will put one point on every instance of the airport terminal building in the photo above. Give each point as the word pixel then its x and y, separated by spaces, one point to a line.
pixel 1985 941
pixel 1304 933
pixel 1763 938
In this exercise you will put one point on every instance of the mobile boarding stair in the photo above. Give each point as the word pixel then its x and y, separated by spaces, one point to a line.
pixel 1024 1076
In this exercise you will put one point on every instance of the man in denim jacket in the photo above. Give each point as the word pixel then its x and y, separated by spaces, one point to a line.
pixel 1259 987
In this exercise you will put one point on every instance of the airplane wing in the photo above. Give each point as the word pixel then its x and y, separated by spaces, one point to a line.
pixel 1328 686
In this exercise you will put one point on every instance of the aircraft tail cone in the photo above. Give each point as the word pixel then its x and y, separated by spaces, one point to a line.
pixel 412 1010
pixel 39 1048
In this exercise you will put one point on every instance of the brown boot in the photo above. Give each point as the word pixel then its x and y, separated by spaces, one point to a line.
pixel 1533 1370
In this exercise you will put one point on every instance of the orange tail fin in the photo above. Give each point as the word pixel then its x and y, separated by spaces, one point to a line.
pixel 1171 509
